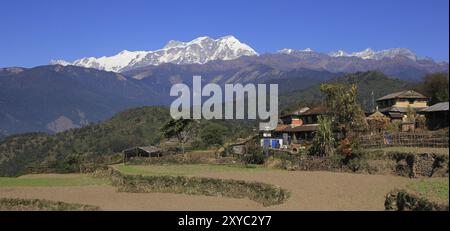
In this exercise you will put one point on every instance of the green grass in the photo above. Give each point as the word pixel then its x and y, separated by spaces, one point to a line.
pixel 45 180
pixel 186 169
pixel 433 189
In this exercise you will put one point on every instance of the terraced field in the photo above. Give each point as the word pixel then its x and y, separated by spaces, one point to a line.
pixel 309 190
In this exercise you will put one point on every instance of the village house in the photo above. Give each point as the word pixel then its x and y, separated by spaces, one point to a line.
pixel 395 105
pixel 436 116
pixel 294 128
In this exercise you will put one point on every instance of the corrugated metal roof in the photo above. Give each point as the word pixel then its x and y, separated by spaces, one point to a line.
pixel 410 94
pixel 443 106
pixel 148 149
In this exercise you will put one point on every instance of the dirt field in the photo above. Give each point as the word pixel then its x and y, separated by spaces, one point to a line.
pixel 309 191
pixel 107 198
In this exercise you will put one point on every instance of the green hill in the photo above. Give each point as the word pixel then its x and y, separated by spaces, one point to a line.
pixel 100 143
pixel 93 144
pixel 367 82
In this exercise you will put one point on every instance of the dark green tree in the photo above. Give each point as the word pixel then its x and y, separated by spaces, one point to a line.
pixel 213 135
pixel 435 86
pixel 341 101
pixel 181 129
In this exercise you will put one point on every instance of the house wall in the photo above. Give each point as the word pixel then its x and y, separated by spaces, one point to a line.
pixel 413 103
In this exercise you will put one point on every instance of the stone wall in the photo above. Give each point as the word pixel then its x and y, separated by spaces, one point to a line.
pixel 405 201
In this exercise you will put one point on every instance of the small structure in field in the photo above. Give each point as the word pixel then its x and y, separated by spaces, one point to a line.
pixel 147 151
pixel 436 115
pixel 378 121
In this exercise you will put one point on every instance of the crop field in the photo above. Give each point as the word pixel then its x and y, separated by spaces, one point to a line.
pixel 47 180
pixel 188 169
pixel 417 150
pixel 309 190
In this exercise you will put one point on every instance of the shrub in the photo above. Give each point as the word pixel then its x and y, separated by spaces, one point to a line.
pixel 323 143
pixel 263 193
pixel 14 204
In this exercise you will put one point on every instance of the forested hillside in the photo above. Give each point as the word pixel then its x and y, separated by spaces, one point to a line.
pixel 66 151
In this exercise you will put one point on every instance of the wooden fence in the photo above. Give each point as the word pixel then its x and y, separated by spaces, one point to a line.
pixel 405 139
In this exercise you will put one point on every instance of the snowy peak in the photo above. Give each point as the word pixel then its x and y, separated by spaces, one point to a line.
pixel 200 50
pixel 367 54
pixel 288 51
pixel 377 55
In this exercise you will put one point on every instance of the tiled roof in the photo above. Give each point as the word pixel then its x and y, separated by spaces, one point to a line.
pixel 408 94
pixel 303 128
pixel 319 110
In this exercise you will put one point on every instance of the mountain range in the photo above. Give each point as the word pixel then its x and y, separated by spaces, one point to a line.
pixel 200 50
pixel 68 95
pixel 397 62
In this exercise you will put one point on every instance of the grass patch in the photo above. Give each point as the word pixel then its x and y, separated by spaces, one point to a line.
pixel 186 170
pixel 433 189
pixel 13 204
pixel 46 180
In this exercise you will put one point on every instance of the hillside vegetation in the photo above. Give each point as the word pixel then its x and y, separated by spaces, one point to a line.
pixel 367 82
pixel 94 145
pixel 98 144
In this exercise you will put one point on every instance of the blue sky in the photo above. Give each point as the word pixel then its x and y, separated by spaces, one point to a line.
pixel 34 32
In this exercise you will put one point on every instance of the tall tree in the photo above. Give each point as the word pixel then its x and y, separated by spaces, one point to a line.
pixel 342 104
pixel 213 135
pixel 435 86
pixel 181 129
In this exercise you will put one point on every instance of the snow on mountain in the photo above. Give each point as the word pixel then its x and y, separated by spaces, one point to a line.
pixel 377 55
pixel 200 50
pixel 288 51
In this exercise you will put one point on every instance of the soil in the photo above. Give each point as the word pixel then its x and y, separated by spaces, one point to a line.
pixel 309 191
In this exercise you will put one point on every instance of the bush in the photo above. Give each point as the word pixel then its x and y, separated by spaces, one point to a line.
pixel 404 201
pixel 263 193
pixel 7 204
pixel 255 154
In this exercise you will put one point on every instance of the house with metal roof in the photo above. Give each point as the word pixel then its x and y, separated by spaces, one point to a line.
pixel 436 116
pixel 395 105
pixel 294 127
pixel 147 151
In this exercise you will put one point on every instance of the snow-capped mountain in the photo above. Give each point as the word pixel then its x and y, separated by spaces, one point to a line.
pixel 200 50
pixel 377 55
pixel 288 51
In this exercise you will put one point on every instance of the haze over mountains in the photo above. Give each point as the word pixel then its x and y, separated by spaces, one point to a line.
pixel 68 95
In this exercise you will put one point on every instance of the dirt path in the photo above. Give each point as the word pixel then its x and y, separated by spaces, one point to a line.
pixel 309 191
pixel 325 190
pixel 107 198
